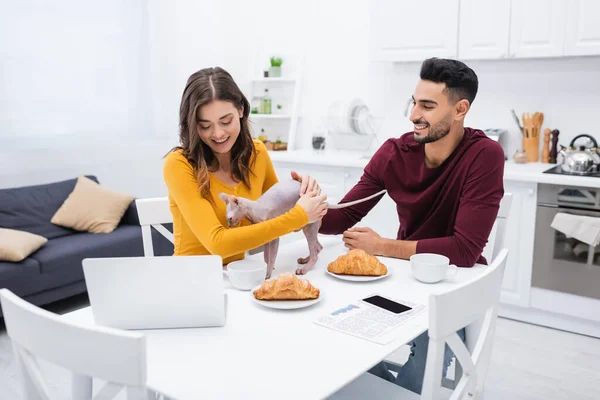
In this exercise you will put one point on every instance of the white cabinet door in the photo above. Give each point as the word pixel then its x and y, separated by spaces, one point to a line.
pixel 537 28
pixel 520 228
pixel 583 28
pixel 410 31
pixel 383 218
pixel 484 29
pixel 330 179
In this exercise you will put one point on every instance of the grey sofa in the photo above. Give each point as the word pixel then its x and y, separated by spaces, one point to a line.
pixel 54 271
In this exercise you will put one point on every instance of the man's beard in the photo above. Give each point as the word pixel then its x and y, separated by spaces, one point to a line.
pixel 436 132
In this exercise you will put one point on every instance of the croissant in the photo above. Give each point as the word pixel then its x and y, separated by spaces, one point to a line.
pixel 286 287
pixel 357 262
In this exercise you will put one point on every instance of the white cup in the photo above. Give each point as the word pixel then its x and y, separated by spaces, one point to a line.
pixel 431 268
pixel 246 274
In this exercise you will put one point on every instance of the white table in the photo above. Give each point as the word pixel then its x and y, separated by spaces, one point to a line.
pixel 275 354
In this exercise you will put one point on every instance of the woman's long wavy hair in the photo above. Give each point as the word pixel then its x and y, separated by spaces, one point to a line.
pixel 203 87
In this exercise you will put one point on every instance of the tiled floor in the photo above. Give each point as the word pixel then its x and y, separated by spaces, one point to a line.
pixel 528 362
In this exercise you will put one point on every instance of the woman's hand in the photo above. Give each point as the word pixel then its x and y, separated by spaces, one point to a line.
pixel 308 184
pixel 314 205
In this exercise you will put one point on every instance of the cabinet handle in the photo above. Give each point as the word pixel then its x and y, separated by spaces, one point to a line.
pixel 346 175
pixel 531 192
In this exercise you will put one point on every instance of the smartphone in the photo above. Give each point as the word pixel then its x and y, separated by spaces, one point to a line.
pixel 387 304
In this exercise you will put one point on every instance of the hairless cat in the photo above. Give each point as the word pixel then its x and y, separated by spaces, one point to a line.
pixel 280 198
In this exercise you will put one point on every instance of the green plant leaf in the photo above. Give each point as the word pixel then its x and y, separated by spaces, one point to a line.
pixel 276 61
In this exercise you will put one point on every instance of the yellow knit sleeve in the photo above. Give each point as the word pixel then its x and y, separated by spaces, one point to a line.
pixel 200 215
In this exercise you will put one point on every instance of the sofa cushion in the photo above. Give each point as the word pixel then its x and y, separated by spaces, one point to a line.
pixel 30 208
pixel 16 245
pixel 60 258
pixel 22 278
pixel 92 208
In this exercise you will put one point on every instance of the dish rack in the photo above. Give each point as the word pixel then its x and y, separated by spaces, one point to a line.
pixel 357 135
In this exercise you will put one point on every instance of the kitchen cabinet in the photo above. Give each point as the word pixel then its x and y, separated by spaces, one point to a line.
pixel 484 29
pixel 406 31
pixel 330 179
pixel 583 28
pixel 383 218
pixel 519 241
pixel 336 182
pixel 537 28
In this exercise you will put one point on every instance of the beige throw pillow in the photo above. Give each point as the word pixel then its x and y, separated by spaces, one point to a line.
pixel 92 208
pixel 16 245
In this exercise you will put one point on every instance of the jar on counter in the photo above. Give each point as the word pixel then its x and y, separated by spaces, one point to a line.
pixel 520 157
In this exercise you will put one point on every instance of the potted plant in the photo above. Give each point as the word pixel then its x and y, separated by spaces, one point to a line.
pixel 279 107
pixel 275 70
pixel 279 145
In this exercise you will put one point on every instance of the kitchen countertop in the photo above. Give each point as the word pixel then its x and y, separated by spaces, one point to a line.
pixel 534 172
pixel 325 157
pixel 529 172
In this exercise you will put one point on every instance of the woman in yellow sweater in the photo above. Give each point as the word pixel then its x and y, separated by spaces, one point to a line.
pixel 217 154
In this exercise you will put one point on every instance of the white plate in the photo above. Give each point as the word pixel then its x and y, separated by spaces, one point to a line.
pixel 360 278
pixel 355 106
pixel 286 304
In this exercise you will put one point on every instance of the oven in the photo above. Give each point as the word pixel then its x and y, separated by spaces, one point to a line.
pixel 559 263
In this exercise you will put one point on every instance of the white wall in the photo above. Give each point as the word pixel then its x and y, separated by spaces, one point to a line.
pixel 71 68
pixel 94 88
pixel 89 88
pixel 337 65
pixel 183 36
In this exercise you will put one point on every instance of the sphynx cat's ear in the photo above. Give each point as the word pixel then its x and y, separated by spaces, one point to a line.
pixel 224 197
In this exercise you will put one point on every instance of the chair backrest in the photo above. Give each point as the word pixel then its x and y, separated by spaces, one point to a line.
pixel 497 236
pixel 152 213
pixel 473 303
pixel 111 355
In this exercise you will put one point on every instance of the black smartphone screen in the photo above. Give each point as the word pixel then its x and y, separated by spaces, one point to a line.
pixel 387 304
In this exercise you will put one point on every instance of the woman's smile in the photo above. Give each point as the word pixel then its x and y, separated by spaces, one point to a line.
pixel 221 141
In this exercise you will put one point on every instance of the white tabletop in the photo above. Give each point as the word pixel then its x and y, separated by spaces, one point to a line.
pixel 274 354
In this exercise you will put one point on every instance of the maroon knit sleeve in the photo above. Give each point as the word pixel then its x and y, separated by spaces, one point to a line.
pixel 478 207
pixel 336 221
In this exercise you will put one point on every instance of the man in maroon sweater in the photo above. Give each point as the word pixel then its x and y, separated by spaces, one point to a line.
pixel 447 182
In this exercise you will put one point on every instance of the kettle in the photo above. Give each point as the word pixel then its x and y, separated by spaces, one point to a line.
pixel 580 159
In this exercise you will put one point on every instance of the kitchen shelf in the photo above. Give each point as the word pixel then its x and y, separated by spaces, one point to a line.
pixel 284 90
pixel 275 79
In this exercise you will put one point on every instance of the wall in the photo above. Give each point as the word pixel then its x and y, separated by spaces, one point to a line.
pixel 95 88
pixel 337 66
pixel 82 83
pixel 71 69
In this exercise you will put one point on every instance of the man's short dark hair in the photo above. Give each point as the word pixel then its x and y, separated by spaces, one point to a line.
pixel 461 81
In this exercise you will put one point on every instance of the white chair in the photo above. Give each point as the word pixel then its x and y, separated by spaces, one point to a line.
pixel 448 313
pixel 498 233
pixel 114 356
pixel 152 213
pixel 496 239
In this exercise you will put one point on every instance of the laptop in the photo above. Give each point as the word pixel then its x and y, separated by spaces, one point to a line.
pixel 156 292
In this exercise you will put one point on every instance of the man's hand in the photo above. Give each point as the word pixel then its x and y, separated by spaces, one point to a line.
pixel 308 183
pixel 365 239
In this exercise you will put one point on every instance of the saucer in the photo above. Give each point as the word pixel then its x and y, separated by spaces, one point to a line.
pixel 360 278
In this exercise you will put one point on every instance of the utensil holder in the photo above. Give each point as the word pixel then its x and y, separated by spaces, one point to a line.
pixel 531 146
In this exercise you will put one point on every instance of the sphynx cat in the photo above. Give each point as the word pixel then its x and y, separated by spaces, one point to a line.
pixel 280 198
